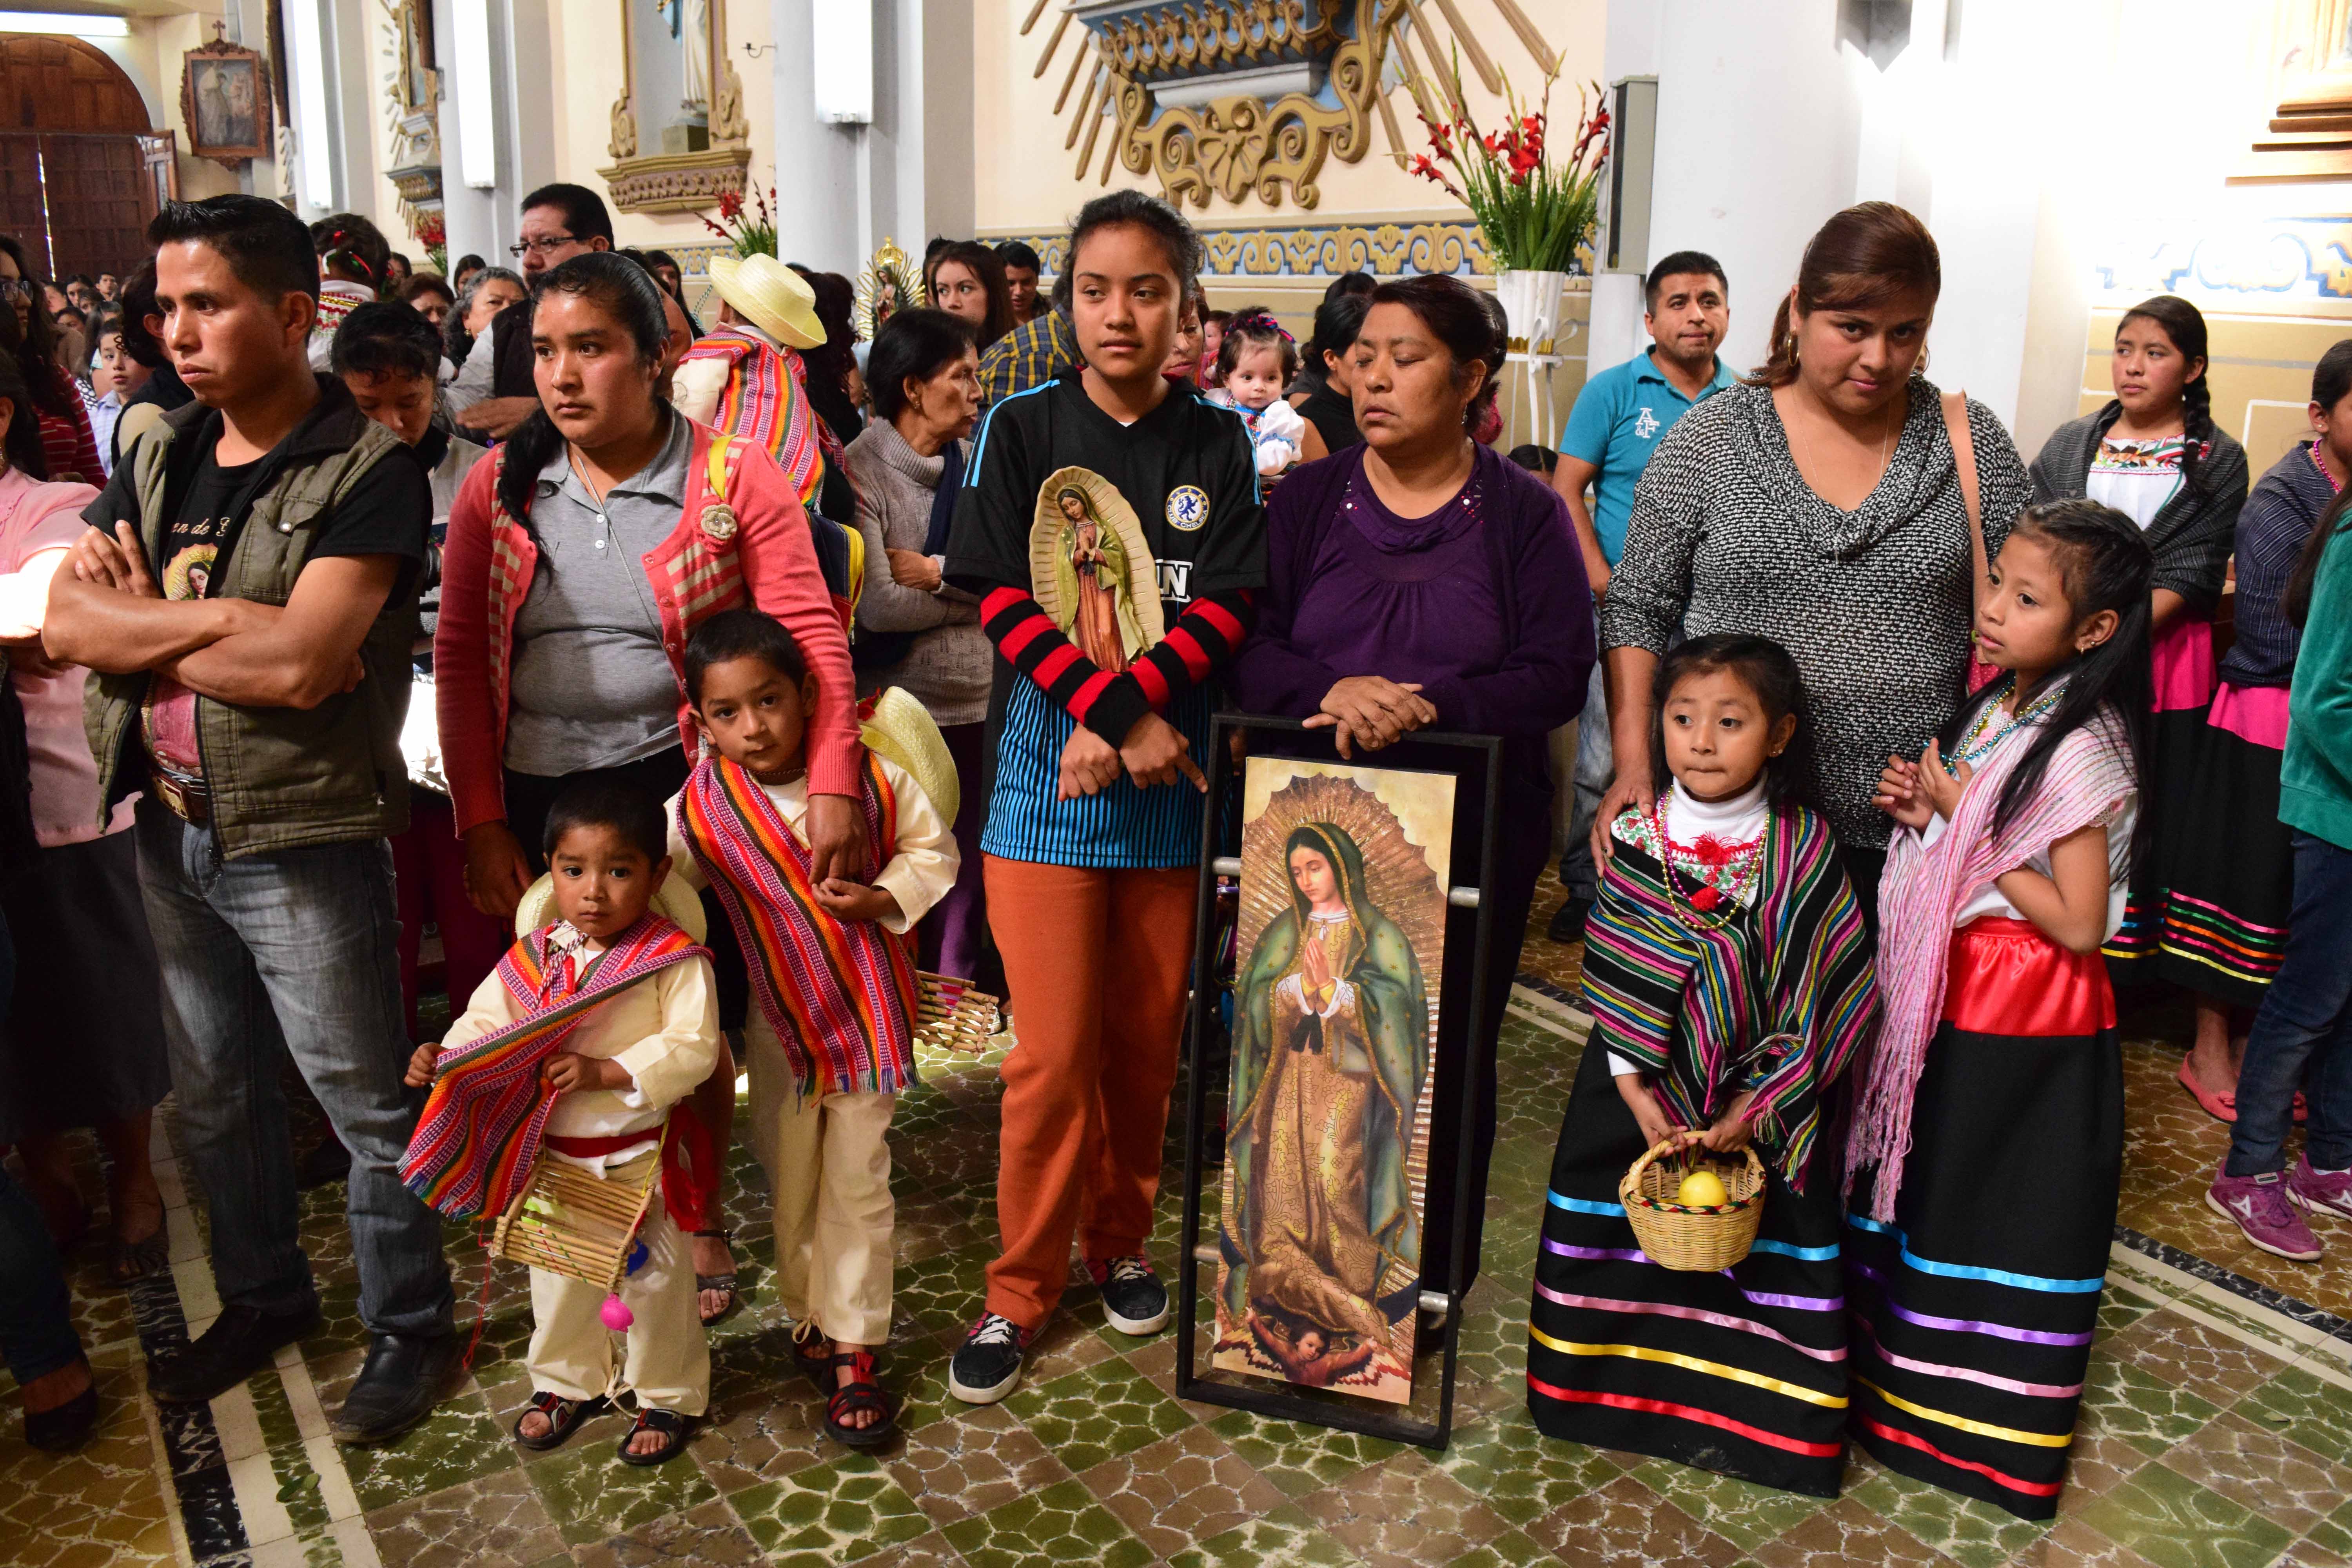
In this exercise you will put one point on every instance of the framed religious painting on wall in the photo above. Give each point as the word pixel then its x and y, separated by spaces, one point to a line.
pixel 1343 930
pixel 225 98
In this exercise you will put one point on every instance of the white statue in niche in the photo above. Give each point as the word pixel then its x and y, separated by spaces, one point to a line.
pixel 690 23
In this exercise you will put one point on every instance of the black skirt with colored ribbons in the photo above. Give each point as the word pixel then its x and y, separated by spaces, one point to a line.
pixel 1742 1372
pixel 2222 926
pixel 1972 1314
pixel 2175 741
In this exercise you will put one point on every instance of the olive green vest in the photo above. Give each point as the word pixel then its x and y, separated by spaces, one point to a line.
pixel 280 777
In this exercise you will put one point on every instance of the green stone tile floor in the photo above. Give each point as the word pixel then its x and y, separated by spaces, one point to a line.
pixel 2216 1433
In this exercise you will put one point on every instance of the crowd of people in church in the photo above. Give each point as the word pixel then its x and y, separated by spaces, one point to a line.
pixel 695 682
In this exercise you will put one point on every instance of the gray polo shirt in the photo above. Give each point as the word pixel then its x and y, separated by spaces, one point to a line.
pixel 593 688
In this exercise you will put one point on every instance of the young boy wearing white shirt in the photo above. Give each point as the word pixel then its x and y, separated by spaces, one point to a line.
pixel 831 1041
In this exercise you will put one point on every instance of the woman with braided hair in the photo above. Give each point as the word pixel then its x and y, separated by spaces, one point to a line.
pixel 2154 454
pixel 354 256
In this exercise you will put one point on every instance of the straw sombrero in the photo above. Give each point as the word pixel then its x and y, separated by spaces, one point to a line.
pixel 902 729
pixel 771 296
pixel 673 899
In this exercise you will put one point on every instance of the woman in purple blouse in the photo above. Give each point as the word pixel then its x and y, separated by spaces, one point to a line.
pixel 1422 581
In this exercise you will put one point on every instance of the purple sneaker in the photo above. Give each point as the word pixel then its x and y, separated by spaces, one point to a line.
pixel 2259 1206
pixel 2321 1192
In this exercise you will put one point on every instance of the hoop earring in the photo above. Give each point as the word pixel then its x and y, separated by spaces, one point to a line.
pixel 1925 356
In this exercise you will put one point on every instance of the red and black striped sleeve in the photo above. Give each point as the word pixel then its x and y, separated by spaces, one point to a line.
pixel 1203 641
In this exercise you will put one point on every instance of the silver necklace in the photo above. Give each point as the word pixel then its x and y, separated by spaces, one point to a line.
pixel 1802 452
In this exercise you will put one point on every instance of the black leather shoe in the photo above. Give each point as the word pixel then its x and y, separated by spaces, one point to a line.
pixel 324 1165
pixel 241 1342
pixel 404 1377
pixel 67 1427
pixel 1568 924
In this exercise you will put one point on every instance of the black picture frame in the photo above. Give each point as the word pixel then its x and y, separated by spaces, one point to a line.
pixel 1474 759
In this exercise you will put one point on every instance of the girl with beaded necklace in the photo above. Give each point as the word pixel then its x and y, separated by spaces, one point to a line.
pixel 1987 1147
pixel 1729 974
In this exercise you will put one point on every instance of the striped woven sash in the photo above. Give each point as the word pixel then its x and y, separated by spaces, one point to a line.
pixel 486 1116
pixel 839 994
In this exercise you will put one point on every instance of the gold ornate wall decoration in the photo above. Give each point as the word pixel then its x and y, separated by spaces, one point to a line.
pixel 1234 147
pixel 688 180
pixel 1231 100
pixel 622 143
pixel 729 127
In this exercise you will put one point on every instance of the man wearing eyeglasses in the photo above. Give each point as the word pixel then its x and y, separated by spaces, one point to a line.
pixel 494 392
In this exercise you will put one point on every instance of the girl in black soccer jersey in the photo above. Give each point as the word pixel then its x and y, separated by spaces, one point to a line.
pixel 1093 812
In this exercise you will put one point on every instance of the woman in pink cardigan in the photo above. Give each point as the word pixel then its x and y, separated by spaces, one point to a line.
pixel 580 558
pixel 81 1040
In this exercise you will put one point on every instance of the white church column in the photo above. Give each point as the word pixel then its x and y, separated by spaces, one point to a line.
pixel 498 120
pixel 906 171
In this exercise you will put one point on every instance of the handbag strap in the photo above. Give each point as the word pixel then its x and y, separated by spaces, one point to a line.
pixel 1964 457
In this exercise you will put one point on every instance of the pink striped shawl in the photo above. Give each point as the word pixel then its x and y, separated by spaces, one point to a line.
pixel 2088 779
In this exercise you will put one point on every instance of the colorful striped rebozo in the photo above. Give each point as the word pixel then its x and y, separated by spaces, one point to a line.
pixel 486 1117
pixel 1704 1012
pixel 766 400
pixel 840 994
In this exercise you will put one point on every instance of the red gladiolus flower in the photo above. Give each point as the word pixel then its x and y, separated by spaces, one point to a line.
pixel 730 204
pixel 1705 900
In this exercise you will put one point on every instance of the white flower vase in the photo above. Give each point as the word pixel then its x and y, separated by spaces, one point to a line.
pixel 1531 304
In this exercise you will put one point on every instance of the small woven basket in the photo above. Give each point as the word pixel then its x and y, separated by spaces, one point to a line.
pixel 954 1014
pixel 568 1222
pixel 1676 1236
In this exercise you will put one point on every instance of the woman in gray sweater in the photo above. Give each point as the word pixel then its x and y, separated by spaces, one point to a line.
pixel 913 631
pixel 1819 504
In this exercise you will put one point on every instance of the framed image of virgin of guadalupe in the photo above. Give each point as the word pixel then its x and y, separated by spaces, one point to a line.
pixel 1341 943
pixel 1350 929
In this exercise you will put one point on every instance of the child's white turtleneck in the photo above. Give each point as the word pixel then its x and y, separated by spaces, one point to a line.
pixel 1736 820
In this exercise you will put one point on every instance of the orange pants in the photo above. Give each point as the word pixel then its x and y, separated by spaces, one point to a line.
pixel 1098 964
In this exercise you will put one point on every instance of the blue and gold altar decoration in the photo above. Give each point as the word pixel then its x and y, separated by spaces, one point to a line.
pixel 1319 251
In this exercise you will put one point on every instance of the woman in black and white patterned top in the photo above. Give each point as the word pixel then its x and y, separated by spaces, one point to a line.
pixel 1819 506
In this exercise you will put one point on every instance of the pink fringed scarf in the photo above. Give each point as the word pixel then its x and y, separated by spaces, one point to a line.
pixel 2088 778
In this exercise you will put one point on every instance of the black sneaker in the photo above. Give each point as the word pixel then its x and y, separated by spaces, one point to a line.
pixel 987 1365
pixel 241 1342
pixel 1568 925
pixel 404 1377
pixel 1134 1300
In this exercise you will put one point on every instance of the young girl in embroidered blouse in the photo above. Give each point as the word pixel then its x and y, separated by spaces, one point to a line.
pixel 830 1041
pixel 2155 455
pixel 1987 1140
pixel 1727 970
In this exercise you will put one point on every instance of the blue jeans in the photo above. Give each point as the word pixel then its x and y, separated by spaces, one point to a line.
pixel 2303 1035
pixel 291 953
pixel 37 1332
pixel 1596 766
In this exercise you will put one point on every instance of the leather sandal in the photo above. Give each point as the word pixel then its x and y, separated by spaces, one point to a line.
pixel 669 1424
pixel 563 1419
pixel 862 1393
pixel 127 1261
pixel 725 1283
pixel 812 1353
